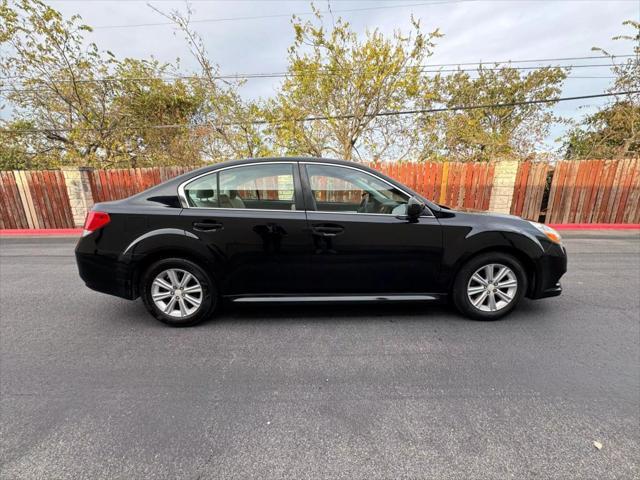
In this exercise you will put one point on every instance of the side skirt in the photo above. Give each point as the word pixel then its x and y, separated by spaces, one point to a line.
pixel 334 298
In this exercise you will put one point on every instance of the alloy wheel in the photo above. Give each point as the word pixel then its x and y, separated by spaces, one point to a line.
pixel 492 287
pixel 176 293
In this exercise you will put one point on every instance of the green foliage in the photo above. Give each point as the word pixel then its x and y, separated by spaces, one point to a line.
pixel 143 101
pixel 614 130
pixel 228 127
pixel 333 73
pixel 46 53
pixel 85 107
pixel 14 149
pixel 482 134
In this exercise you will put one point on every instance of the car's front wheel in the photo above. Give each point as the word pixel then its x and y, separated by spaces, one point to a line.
pixel 178 292
pixel 489 286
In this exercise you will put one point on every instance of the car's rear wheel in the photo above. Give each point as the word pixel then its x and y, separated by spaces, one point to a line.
pixel 489 286
pixel 178 292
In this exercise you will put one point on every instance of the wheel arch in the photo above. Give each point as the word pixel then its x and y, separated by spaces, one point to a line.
pixel 157 247
pixel 525 249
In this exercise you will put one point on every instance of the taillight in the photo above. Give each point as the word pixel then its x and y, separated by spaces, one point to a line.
pixel 94 221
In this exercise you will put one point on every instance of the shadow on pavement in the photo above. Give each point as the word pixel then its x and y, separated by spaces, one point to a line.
pixel 136 314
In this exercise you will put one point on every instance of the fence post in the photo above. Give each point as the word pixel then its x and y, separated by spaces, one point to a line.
pixel 79 191
pixel 504 181
pixel 26 199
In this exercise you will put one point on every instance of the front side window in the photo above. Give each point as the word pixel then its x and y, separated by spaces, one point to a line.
pixel 268 186
pixel 340 189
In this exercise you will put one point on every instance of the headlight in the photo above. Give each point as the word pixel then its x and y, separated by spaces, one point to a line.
pixel 550 233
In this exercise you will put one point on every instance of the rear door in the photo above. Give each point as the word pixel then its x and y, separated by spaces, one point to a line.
pixel 363 241
pixel 252 218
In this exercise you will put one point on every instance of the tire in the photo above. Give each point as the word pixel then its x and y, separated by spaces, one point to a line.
pixel 467 291
pixel 184 311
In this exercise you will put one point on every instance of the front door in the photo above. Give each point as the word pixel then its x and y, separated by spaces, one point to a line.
pixel 255 226
pixel 363 240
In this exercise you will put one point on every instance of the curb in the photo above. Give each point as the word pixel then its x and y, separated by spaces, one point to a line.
pixel 76 232
pixel 595 226
pixel 40 232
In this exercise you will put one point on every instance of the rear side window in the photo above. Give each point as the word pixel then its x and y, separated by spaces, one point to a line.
pixel 265 187
pixel 203 192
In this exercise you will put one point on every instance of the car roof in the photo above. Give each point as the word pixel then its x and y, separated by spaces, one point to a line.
pixel 244 161
pixel 248 161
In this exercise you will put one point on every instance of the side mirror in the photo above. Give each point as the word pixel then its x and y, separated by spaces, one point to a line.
pixel 414 209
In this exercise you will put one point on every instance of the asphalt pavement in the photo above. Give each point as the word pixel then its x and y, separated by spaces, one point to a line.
pixel 92 387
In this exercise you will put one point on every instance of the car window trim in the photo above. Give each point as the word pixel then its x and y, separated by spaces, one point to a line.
pixel 427 209
pixel 185 203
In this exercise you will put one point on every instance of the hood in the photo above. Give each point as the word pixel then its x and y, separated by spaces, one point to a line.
pixel 480 213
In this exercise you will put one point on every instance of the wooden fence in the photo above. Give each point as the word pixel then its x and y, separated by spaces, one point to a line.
pixel 529 189
pixel 459 185
pixel 595 191
pixel 456 184
pixel 114 184
pixel 589 191
pixel 35 199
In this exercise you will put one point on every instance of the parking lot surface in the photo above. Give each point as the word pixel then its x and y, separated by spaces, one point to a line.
pixel 92 387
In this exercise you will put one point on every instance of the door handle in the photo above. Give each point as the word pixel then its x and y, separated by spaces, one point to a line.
pixel 327 230
pixel 207 226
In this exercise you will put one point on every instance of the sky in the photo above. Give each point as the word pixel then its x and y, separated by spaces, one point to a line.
pixel 474 30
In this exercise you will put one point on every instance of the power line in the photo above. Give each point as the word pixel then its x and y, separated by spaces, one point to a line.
pixel 467 107
pixel 142 79
pixel 301 14
pixel 43 90
pixel 347 116
pixel 481 62
pixel 285 15
pixel 505 63
pixel 251 76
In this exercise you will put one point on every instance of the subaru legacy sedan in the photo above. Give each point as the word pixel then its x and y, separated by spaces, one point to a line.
pixel 309 230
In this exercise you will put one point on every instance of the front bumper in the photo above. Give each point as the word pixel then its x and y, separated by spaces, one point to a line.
pixel 551 292
pixel 549 269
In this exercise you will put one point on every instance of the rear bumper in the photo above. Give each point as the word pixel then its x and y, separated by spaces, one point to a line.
pixel 105 274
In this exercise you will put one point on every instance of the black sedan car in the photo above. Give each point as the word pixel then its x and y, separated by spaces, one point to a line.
pixel 309 230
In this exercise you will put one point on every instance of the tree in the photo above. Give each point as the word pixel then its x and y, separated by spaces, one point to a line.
pixel 482 134
pixel 157 115
pixel 46 61
pixel 14 152
pixel 614 130
pixel 228 127
pixel 347 82
pixel 611 132
pixel 82 105
pixel 74 104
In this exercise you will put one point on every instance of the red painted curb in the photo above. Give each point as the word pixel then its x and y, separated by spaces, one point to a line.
pixel 40 232
pixel 595 226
